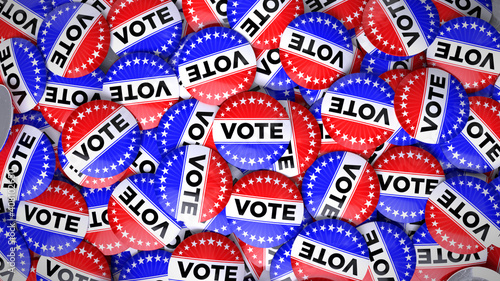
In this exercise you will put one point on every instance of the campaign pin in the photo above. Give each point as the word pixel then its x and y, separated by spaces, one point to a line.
pixel 330 249
pixel 74 39
pixel 315 50
pixel 377 66
pixel 143 83
pixel 55 222
pixel 15 260
pixel 401 28
pixel 205 13
pixel 102 5
pixel 270 73
pixel 467 48
pixel 341 185
pixel 152 265
pixel 136 217
pixel 328 144
pixel 462 215
pixel 281 264
pixel 206 256
pixel 449 10
pixel 407 177
pixel 349 12
pixel 216 63
pixel 217 224
pixel 23 73
pixel 148 158
pixel 477 147
pixel 101 138
pixel 22 18
pixel 251 130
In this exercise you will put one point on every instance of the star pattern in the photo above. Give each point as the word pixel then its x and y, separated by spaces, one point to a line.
pixel 17 247
pixel 208 246
pixel 205 15
pixel 155 263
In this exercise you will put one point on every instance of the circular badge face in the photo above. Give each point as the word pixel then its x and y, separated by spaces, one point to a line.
pixel 35 118
pixel 394 250
pixel 23 18
pixel 148 158
pixel 270 73
pixel 145 84
pixel 102 5
pixel 27 163
pixel 74 39
pixel 186 122
pixel 462 215
pixel 358 113
pixel 206 256
pixel 252 130
pixel 193 183
pixel 315 50
pixel 330 250
pixel 71 172
pixel 341 185
pixel 437 152
pixel 401 28
pixel 349 12
pixel 205 13
pixel 101 138
pixel 407 177
pixel 377 66
pixel 475 273
pixel 262 216
pixel 262 22
pixel 304 147
pixel 63 95
pixel 8 110
pixel 152 265
pixel 136 217
pixel 144 26
pixel 119 260
pixel 99 232
pixel 435 262
pixel 281 265
pixel 449 10
pixel 85 262
pixel 23 72
pixel 14 254
pixel 431 105
pixel 217 63
pixel 477 147
pixel 54 223
pixel 328 144
pixel 468 49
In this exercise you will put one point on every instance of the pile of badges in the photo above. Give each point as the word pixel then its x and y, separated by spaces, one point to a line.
pixel 230 140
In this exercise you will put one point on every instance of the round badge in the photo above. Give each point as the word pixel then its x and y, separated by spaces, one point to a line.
pixel 119 260
pixel 304 147
pixel 74 39
pixel 358 113
pixel 270 73
pixel 7 115
pixel 257 260
pixel 431 105
pixel 330 250
pixel 368 47
pixel 262 216
pixel 462 215
pixel 23 18
pixel 152 265
pixel 435 262
pixel 99 232
pixel 312 96
pixel 349 12
pixel 328 144
pixel 85 262
pixel 341 185
pixel 377 66
pixel 401 28
pixel 55 222
pixel 217 63
pixel 262 22
pixel 14 254
pixel 144 26
pixel 315 50
pixel 27 163
pixel 437 152
pixel 477 147
pixel 217 224
pixel 205 13
pixel 135 215
pixel 193 183
pixel 475 273
pixel 209 256
pixel 186 122
pixel 23 73
pixel 148 158
pixel 407 177
pixel 72 173
pixel 449 10
pixel 63 95
pixel 468 49
pixel 252 130
pixel 101 138
pixel 143 83
pixel 35 118
pixel 392 254
pixel 281 264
